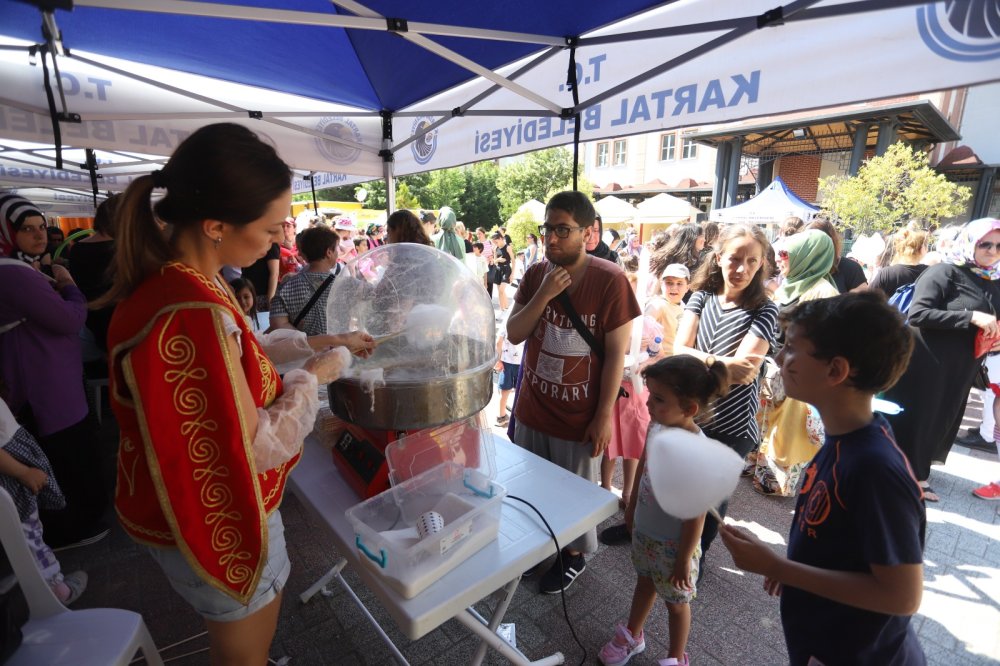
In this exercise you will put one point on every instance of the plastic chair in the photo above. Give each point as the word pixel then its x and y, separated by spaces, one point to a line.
pixel 56 635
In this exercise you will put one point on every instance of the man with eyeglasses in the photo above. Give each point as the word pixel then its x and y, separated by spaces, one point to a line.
pixel 568 389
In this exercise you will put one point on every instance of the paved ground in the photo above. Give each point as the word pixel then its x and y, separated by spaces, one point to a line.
pixel 734 622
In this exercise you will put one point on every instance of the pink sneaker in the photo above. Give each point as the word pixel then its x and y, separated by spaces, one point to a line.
pixel 621 648
pixel 673 661
pixel 990 492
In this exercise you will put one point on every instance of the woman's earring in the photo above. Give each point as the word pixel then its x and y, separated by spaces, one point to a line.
pixel 217 242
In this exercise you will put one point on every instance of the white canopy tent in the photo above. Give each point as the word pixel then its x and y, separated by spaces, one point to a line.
pixel 772 205
pixel 614 210
pixel 699 62
pixel 666 208
pixel 535 208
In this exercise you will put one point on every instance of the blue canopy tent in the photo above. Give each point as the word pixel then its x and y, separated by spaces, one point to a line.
pixel 351 91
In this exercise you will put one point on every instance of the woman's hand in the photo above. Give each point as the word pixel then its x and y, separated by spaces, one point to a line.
pixel 33 479
pixel 360 343
pixel 327 366
pixel 987 322
pixel 62 277
pixel 742 370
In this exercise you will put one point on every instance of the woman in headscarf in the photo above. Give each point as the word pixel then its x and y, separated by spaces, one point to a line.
pixel 42 312
pixel 952 303
pixel 449 241
pixel 791 432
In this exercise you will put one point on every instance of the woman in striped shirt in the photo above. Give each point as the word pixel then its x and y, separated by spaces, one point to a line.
pixel 730 319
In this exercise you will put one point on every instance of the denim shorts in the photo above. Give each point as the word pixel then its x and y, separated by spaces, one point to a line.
pixel 215 605
pixel 508 376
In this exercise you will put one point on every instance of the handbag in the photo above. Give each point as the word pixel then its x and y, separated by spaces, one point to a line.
pixel 588 337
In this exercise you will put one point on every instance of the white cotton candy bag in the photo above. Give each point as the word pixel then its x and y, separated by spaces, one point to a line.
pixel 690 474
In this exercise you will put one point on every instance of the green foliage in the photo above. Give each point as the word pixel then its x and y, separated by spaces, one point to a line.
pixel 404 198
pixel 376 194
pixel 520 225
pixel 533 177
pixel 480 202
pixel 891 190
pixel 444 188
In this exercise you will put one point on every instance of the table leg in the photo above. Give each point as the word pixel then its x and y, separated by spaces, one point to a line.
pixel 335 573
pixel 508 595
pixel 489 638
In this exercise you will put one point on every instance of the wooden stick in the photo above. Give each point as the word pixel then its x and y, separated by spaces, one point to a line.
pixel 715 514
pixel 391 336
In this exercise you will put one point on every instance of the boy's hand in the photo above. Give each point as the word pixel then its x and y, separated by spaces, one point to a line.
pixel 772 587
pixel 749 553
pixel 681 577
pixel 33 479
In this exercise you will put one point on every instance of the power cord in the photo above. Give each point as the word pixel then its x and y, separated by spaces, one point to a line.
pixel 559 559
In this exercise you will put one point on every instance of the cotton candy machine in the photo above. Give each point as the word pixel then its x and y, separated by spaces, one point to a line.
pixel 433 365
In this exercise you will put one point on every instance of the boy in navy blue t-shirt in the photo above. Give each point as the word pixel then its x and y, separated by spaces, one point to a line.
pixel 854 571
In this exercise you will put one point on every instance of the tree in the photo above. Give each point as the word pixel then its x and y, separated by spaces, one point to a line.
pixel 480 202
pixel 519 226
pixel 533 177
pixel 404 198
pixel 890 190
pixel 444 188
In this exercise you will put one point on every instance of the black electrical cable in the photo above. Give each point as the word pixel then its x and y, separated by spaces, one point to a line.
pixel 559 559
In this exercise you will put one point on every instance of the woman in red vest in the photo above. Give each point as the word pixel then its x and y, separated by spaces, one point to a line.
pixel 209 431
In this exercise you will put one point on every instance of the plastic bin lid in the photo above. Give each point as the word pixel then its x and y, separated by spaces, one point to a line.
pixel 468 442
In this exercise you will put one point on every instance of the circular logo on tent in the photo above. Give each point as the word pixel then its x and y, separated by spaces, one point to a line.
pixel 425 145
pixel 339 128
pixel 962 30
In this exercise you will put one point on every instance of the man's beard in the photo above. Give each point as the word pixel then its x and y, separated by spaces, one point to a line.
pixel 563 259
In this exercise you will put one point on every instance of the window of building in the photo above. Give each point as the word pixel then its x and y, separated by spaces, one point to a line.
pixel 602 154
pixel 689 149
pixel 620 152
pixel 667 143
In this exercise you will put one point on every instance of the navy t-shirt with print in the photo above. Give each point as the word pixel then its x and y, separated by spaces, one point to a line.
pixel 859 505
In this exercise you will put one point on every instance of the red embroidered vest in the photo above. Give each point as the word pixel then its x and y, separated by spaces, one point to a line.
pixel 186 472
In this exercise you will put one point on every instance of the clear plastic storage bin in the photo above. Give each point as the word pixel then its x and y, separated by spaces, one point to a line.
pixel 448 471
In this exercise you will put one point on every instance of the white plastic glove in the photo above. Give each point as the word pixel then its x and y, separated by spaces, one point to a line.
pixel 282 427
pixel 283 345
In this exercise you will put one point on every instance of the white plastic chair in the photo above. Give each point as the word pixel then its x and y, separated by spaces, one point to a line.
pixel 56 635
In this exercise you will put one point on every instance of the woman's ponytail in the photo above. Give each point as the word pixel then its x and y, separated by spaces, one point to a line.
pixel 141 247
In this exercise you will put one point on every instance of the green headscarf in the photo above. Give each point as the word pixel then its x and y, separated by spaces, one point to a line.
pixel 810 259
pixel 449 241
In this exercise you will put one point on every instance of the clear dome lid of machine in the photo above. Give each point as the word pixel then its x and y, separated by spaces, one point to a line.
pixel 428 313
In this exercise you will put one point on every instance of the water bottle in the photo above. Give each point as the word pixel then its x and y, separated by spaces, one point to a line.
pixel 654 347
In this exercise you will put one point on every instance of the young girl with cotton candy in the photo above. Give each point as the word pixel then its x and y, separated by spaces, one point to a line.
pixel 666 549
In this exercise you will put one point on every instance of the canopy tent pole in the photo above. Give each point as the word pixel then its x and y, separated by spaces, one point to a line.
pixel 312 186
pixel 572 84
pixel 91 166
pixel 387 163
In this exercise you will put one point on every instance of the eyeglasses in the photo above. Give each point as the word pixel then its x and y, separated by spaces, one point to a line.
pixel 988 246
pixel 562 231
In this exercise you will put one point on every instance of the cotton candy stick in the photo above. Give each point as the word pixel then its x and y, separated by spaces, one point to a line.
pixel 690 474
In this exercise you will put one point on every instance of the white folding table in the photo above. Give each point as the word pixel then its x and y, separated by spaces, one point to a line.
pixel 570 504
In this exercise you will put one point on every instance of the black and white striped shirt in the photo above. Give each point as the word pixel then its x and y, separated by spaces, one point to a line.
pixel 720 332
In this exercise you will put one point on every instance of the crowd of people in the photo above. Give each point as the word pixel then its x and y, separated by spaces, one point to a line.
pixel 773 347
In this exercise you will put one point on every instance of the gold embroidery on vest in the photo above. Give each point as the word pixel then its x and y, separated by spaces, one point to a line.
pixel 179 351
pixel 127 470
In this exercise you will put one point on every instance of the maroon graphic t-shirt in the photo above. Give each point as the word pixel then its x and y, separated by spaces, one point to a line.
pixel 562 375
